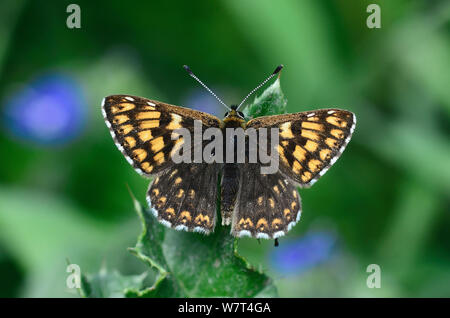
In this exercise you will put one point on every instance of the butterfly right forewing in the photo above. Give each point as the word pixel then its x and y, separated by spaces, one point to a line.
pixel 309 142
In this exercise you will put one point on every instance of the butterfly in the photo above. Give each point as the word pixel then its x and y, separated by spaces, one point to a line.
pixel 183 196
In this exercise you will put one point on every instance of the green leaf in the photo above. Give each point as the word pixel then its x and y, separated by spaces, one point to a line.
pixel 270 102
pixel 110 284
pixel 194 265
pixel 187 265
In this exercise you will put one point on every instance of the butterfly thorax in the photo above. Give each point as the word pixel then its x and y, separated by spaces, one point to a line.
pixel 234 119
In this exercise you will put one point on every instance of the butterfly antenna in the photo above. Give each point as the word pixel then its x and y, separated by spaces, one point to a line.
pixel 206 87
pixel 277 70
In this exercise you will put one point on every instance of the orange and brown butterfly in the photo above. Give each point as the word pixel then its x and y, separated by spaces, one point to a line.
pixel 183 196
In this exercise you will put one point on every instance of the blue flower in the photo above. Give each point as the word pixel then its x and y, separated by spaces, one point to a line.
pixel 203 101
pixel 48 111
pixel 303 254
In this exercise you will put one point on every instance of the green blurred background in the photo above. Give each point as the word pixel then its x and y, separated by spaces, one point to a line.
pixel 63 183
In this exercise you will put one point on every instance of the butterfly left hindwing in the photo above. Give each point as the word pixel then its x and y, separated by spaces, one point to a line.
pixel 184 197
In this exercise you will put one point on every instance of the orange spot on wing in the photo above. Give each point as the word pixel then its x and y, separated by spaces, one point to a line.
pixel 260 200
pixel 332 143
pixel 159 158
pixel 282 155
pixel 262 224
pixel 119 108
pixel 314 165
pixel 245 223
pixel 125 129
pixel 148 115
pixel 130 141
pixel 276 223
pixel 120 119
pixel 296 167
pixel 325 154
pixel 161 201
pixel 202 219
pixel 315 126
pixel 306 176
pixel 287 214
pixel 310 134
pixel 145 135
pixel 271 203
pixel 175 122
pixel 139 154
pixel 336 121
pixel 157 144
pixel 170 211
pixel 286 131
pixel 299 153
pixel 185 217
pixel 337 133
pixel 311 146
pixel 147 168
pixel 147 124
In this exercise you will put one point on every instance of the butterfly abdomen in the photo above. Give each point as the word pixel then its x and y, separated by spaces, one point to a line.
pixel 229 191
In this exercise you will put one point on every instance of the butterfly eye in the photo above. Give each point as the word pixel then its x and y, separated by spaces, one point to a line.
pixel 241 114
pixel 226 114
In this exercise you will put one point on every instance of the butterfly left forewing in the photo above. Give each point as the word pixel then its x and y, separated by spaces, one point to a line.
pixel 143 129
pixel 309 142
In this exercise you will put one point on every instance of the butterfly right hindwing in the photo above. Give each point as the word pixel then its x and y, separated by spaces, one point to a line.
pixel 268 205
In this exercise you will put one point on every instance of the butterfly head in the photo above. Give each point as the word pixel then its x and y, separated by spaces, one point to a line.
pixel 234 117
